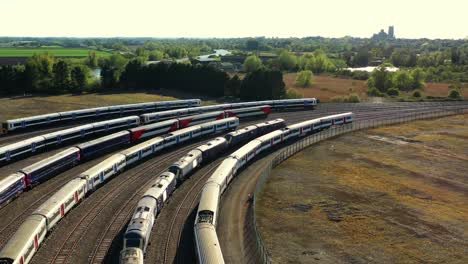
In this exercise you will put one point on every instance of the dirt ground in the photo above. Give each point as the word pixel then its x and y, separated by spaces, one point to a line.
pixel 326 87
pixel 389 195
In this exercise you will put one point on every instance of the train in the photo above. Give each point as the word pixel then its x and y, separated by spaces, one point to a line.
pixel 139 229
pixel 35 144
pixel 91 113
pixel 185 107
pixel 207 245
pixel 29 236
pixel 38 172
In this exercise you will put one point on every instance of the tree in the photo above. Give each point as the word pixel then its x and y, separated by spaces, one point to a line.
pixel 403 80
pixel 380 79
pixel 263 84
pixel 418 77
pixel 287 61
pixel 78 79
pixel 304 78
pixel 454 94
pixel 233 86
pixel 252 63
pixel 92 60
pixel 393 92
pixel 156 55
pixel 252 44
pixel 61 78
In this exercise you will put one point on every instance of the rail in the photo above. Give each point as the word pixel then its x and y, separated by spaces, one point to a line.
pixel 261 250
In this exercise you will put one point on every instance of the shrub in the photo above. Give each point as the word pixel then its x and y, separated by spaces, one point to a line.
pixel 352 98
pixel 393 92
pixel 417 94
pixel 304 78
pixel 454 94
pixel 375 92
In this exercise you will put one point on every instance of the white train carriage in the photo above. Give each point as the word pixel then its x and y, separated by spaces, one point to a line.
pixel 99 173
pixel 164 115
pixel 83 113
pixel 186 164
pixel 212 127
pixel 207 245
pixel 24 147
pixel 25 242
pixel 182 135
pixel 249 112
pixel 200 118
pixel 154 129
pixel 207 211
pixel 224 173
pixel 58 205
pixel 26 122
pixel 139 228
pixel 177 104
pixel 58 137
pixel 119 123
pixel 142 150
pixel 246 153
pixel 269 140
pixel 131 256
pixel 162 188
pixel 12 186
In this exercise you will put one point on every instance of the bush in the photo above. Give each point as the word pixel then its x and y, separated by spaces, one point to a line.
pixel 454 94
pixel 375 92
pixel 417 94
pixel 393 92
pixel 304 78
pixel 360 75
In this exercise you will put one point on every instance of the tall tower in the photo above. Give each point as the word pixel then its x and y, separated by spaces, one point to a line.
pixel 391 32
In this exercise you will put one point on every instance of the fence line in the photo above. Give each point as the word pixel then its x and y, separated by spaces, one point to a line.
pixel 261 250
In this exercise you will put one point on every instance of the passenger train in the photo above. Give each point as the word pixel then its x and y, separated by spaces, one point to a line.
pixel 90 113
pixel 32 175
pixel 139 229
pixel 206 241
pixel 27 239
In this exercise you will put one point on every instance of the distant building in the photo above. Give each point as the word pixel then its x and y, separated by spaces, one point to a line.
pixel 384 36
pixel 391 32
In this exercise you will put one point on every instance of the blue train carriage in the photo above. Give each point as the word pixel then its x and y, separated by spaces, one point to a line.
pixel 12 186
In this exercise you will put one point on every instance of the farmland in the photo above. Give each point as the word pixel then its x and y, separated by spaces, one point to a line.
pixel 55 51
pixel 388 195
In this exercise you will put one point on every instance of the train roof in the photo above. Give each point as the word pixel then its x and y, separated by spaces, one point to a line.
pixel 33 117
pixel 212 143
pixel 224 169
pixel 109 162
pixel 50 159
pixel 270 135
pixel 60 196
pixel 210 197
pixel 337 115
pixel 217 122
pixel 187 158
pixel 157 124
pixel 10 179
pixel 208 248
pixel 22 143
pixel 238 154
pixel 103 139
pixel 68 131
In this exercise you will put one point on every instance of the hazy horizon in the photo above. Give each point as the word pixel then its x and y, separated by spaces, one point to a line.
pixel 233 19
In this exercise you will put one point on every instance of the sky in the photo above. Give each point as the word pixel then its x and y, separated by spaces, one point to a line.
pixel 228 18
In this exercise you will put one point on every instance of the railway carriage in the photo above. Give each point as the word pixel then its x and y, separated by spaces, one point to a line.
pixel 21 148
pixel 241 135
pixel 164 115
pixel 83 113
pixel 270 125
pixel 104 144
pixel 124 122
pixel 224 173
pixel 142 150
pixel 269 140
pixel 58 205
pixel 208 207
pixel 207 245
pixel 246 153
pixel 139 228
pixel 99 173
pixel 154 129
pixel 26 122
pixel 219 125
pixel 249 112
pixel 59 137
pixel 186 164
pixel 43 169
pixel 131 256
pixel 211 149
pixel 200 118
pixel 11 186
pixel 28 238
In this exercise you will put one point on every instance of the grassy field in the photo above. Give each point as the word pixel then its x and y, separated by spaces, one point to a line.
pixel 20 107
pixel 326 87
pixel 388 195
pixel 57 52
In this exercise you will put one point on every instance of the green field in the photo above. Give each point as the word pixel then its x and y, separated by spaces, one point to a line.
pixel 57 52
